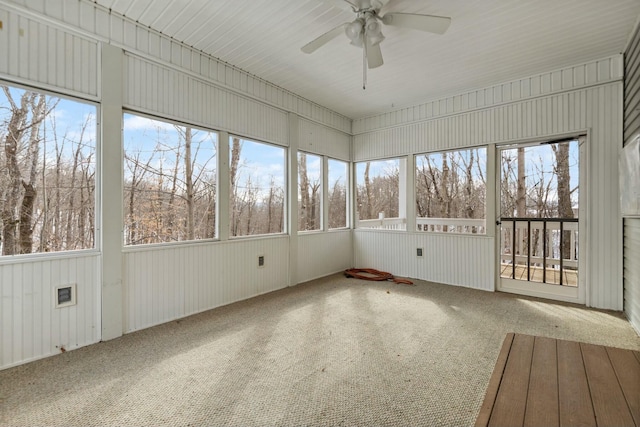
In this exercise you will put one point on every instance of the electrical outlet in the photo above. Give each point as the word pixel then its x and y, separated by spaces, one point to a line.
pixel 260 261
pixel 419 252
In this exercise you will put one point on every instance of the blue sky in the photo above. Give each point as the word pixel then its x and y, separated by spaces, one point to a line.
pixel 539 164
pixel 65 123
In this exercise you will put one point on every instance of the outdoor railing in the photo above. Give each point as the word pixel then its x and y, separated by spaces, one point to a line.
pixel 433 225
pixel 539 242
pixel 451 225
pixel 383 223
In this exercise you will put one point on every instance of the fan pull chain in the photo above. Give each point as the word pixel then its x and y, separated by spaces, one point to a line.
pixel 364 65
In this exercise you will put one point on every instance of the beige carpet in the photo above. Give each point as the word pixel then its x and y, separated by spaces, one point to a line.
pixel 331 352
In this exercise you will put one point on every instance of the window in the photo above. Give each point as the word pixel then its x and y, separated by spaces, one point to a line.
pixel 451 191
pixel 338 179
pixel 47 173
pixel 378 198
pixel 309 192
pixel 257 184
pixel 169 182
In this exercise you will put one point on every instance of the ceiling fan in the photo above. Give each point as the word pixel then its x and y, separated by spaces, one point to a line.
pixel 366 30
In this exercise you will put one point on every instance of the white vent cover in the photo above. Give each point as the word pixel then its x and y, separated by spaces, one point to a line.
pixel 65 295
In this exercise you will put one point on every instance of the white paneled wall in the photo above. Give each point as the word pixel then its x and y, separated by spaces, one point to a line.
pixel 596 110
pixel 86 18
pixel 188 98
pixel 34 52
pixel 571 78
pixel 319 139
pixel 519 121
pixel 174 281
pixel 321 254
pixel 451 259
pixel 31 327
pixel 632 271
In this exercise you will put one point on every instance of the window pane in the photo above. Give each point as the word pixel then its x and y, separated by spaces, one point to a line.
pixel 169 182
pixel 540 181
pixel 309 192
pixel 451 185
pixel 378 199
pixel 338 184
pixel 257 181
pixel 47 173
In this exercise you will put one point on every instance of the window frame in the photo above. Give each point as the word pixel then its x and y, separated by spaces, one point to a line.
pixel 321 225
pixel 486 195
pixel 347 190
pixel 356 213
pixel 133 247
pixel 97 197
pixel 285 188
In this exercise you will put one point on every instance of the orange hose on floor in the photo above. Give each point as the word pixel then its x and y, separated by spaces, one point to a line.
pixel 373 274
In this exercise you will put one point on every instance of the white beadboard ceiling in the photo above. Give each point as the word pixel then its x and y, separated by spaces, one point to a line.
pixel 489 41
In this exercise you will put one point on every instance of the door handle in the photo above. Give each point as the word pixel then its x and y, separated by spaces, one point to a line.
pixel 498 222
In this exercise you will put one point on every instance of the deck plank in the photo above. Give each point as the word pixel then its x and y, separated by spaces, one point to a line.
pixel 494 383
pixel 544 381
pixel 627 368
pixel 511 399
pixel 609 403
pixel 542 399
pixel 574 398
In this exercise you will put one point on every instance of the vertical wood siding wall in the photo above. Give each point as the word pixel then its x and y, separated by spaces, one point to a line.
pixel 319 139
pixel 566 79
pixel 588 98
pixel 33 52
pixel 632 89
pixel 454 260
pixel 30 325
pixel 167 283
pixel 153 88
pixel 631 269
pixel 320 254
pixel 97 23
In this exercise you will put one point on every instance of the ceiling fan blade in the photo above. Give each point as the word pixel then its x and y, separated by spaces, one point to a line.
pixel 428 23
pixel 374 56
pixel 343 4
pixel 386 6
pixel 317 43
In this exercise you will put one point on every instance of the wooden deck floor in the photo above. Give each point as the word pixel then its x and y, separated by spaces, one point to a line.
pixel 541 381
pixel 569 277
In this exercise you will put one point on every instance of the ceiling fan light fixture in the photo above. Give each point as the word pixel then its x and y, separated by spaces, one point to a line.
pixel 354 30
pixel 373 30
pixel 357 42
pixel 374 39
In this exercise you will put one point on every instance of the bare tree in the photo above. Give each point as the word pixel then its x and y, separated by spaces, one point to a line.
pixel 563 176
pixel 236 148
pixel 19 195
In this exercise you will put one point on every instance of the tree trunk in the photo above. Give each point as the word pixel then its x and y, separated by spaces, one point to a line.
pixel 521 191
pixel 26 225
pixel 315 204
pixel 15 131
pixel 565 210
pixel 236 148
pixel 469 211
pixel 367 189
pixel 305 207
pixel 189 182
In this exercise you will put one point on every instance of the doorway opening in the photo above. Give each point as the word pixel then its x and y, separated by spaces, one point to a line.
pixel 538 227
